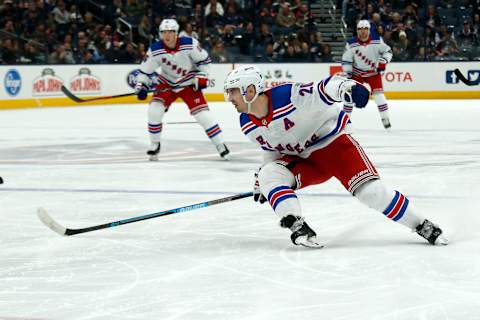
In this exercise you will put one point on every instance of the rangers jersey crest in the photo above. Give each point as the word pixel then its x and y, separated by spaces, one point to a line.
pixel 178 66
pixel 361 58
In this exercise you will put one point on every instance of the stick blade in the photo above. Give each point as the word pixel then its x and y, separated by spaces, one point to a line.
pixel 50 223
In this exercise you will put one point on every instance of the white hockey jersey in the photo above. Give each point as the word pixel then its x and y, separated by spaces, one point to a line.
pixel 178 66
pixel 361 58
pixel 302 118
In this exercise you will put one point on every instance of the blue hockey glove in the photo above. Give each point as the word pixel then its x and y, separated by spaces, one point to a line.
pixel 354 94
pixel 141 91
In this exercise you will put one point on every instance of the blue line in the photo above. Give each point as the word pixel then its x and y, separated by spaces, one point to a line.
pixel 192 192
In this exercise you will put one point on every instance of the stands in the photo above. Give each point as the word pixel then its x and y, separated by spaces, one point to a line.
pixel 120 31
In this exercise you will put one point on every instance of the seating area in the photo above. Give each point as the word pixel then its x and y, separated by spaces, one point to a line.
pixel 120 31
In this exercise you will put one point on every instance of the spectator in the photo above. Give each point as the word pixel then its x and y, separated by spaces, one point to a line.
pixel 233 16
pixel 144 28
pixel 214 4
pixel 246 38
pixel 131 55
pixel 213 19
pixel 87 57
pixel 229 36
pixel 401 48
pixel 218 53
pixel 467 38
pixel 447 47
pixel 268 55
pixel 305 52
pixel 115 54
pixel 189 32
pixel 431 17
pixel 61 16
pixel 31 55
pixel 290 55
pixel 476 24
pixel 264 36
pixel 410 14
pixel 61 56
pixel 267 14
pixel 285 18
pixel 8 52
pixel 326 53
pixel 133 11
pixel 9 27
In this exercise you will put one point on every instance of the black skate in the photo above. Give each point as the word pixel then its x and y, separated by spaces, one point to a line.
pixel 431 232
pixel 223 151
pixel 302 234
pixel 153 151
pixel 386 123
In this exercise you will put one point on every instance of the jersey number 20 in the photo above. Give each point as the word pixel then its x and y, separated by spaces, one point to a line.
pixel 306 88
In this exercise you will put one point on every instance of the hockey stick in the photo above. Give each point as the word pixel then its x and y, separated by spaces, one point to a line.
pixel 462 78
pixel 159 87
pixel 61 230
pixel 73 97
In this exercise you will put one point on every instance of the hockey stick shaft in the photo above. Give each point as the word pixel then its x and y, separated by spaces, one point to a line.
pixel 52 224
pixel 73 97
pixel 462 78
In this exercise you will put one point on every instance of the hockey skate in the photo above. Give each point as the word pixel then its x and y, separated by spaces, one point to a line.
pixel 386 123
pixel 153 151
pixel 223 151
pixel 432 233
pixel 302 234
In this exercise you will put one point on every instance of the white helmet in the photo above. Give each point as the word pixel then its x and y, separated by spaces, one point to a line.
pixel 242 78
pixel 363 24
pixel 168 25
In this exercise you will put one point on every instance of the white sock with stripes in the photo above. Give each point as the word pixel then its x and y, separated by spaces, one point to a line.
pixel 382 105
pixel 211 127
pixel 275 184
pixel 392 204
pixel 156 111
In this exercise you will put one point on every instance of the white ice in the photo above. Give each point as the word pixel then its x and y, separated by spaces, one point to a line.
pixel 86 166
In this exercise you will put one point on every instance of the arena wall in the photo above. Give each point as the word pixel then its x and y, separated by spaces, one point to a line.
pixel 40 86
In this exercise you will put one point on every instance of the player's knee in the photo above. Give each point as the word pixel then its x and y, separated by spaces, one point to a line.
pixel 156 110
pixel 374 194
pixel 273 175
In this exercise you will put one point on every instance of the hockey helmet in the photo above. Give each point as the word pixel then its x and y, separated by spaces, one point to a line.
pixel 241 78
pixel 363 24
pixel 168 25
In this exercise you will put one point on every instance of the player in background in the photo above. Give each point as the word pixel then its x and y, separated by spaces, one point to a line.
pixel 364 60
pixel 184 73
pixel 305 141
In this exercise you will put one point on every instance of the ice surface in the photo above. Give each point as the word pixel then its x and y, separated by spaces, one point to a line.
pixel 87 166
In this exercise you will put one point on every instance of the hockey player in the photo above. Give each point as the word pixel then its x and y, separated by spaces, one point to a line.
pixel 184 73
pixel 364 60
pixel 305 141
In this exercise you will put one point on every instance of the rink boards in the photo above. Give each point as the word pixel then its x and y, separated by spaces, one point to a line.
pixel 40 86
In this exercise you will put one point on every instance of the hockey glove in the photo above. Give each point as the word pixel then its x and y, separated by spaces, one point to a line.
pixel 141 91
pixel 381 65
pixel 354 94
pixel 200 82
pixel 257 195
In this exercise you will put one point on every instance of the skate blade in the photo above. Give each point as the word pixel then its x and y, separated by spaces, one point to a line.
pixel 309 242
pixel 226 157
pixel 153 158
pixel 441 241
